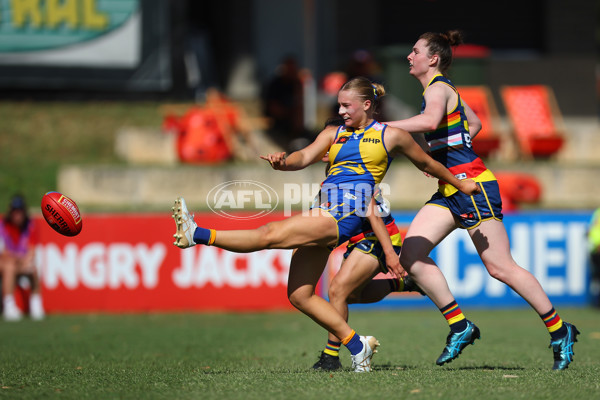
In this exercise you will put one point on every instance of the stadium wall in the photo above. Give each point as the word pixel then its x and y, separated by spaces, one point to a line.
pixel 126 263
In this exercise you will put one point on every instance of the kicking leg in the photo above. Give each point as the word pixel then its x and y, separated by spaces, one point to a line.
pixel 314 227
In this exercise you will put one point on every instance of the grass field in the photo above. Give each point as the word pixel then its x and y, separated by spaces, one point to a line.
pixel 269 355
pixel 36 138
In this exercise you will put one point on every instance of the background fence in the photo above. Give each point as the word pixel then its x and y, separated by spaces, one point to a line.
pixel 126 263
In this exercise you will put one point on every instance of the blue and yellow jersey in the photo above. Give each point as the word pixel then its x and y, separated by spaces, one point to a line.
pixel 450 144
pixel 358 156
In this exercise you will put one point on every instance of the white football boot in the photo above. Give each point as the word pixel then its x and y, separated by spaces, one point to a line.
pixel 11 311
pixel 36 308
pixel 361 362
pixel 185 224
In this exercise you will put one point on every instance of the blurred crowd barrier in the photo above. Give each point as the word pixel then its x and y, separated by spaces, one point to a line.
pixel 127 263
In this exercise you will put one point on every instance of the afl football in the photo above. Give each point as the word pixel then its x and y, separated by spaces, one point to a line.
pixel 61 213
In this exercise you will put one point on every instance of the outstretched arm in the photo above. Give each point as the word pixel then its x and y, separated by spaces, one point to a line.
pixel 302 158
pixel 428 121
pixel 400 141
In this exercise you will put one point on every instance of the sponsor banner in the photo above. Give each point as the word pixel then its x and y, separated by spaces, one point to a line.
pixel 127 263
pixel 70 33
pixel 85 45
pixel 550 245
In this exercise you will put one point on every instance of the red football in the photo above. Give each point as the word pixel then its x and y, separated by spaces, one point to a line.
pixel 61 213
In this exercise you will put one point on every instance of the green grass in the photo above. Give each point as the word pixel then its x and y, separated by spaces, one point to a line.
pixel 36 138
pixel 268 356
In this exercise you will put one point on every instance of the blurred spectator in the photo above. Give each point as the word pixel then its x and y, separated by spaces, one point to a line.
pixel 362 63
pixel 18 237
pixel 234 124
pixel 214 132
pixel 594 248
pixel 199 137
pixel 283 100
pixel 332 82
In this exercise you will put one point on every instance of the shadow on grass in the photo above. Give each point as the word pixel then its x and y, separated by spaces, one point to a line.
pixel 491 368
pixel 391 367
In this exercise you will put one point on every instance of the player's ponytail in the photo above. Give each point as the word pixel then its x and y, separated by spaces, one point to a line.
pixel 441 45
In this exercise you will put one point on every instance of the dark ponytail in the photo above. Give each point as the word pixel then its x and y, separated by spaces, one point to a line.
pixel 442 44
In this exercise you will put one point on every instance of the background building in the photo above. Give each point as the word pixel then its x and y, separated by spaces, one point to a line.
pixel 177 49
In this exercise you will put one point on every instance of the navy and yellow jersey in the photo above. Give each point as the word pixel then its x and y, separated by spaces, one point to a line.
pixel 358 156
pixel 450 144
pixel 358 162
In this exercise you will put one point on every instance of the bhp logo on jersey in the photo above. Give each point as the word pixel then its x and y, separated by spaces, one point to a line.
pixel 371 140
pixel 230 198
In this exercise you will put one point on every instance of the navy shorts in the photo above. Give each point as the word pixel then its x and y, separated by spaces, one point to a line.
pixel 472 210
pixel 372 248
pixel 348 222
pixel 347 207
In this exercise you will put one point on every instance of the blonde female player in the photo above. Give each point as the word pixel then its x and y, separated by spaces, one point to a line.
pixel 365 257
pixel 448 125
pixel 360 152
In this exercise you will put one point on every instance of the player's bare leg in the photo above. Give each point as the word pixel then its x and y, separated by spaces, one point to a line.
pixel 501 265
pixel 305 270
pixel 313 227
pixel 430 226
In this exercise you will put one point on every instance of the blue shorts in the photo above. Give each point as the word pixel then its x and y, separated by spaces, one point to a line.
pixel 372 248
pixel 348 208
pixel 470 211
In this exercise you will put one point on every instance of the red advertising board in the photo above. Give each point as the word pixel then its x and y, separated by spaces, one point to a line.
pixel 127 263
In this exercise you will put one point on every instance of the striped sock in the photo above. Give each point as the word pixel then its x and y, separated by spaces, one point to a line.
pixel 353 343
pixel 333 348
pixel 456 319
pixel 554 324
pixel 204 236
pixel 396 284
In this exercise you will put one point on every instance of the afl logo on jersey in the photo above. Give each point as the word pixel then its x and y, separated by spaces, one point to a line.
pixel 342 140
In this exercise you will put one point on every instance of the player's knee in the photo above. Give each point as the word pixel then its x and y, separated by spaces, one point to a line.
pixel 407 257
pixel 353 298
pixel 298 299
pixel 9 265
pixel 267 235
pixel 497 271
pixel 414 249
pixel 294 300
pixel 337 292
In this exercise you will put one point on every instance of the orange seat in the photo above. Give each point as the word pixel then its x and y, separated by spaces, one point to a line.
pixel 517 188
pixel 535 118
pixel 480 100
